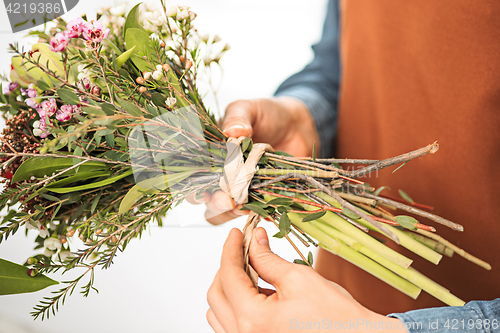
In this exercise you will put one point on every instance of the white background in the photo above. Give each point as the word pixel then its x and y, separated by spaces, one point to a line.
pixel 159 283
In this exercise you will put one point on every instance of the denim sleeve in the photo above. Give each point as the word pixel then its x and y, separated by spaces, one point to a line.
pixel 317 85
pixel 473 317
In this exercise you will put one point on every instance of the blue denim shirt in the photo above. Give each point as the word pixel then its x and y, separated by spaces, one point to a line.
pixel 317 86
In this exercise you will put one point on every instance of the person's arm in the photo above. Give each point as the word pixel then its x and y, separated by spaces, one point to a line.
pixel 473 317
pixel 317 85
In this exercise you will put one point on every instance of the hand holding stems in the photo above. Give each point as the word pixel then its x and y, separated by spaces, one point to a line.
pixel 301 296
pixel 284 122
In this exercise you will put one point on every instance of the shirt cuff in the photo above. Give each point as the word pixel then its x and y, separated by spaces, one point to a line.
pixel 473 317
pixel 324 114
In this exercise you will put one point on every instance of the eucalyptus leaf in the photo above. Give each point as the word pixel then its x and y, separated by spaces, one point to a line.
pixel 407 222
pixel 280 202
pixel 313 216
pixel 130 107
pixel 256 209
pixel 15 279
pixel 405 196
pixel 122 59
pixel 284 224
pixel 68 96
pixel 380 189
pixel 350 214
pixel 139 40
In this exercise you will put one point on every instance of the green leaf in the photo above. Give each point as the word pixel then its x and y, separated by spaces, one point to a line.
pixel 140 40
pixel 380 189
pixel 101 183
pixel 93 110
pixel 280 202
pixel 158 99
pixel 300 262
pixel 314 155
pixel 399 167
pixel 133 20
pixel 405 196
pixel 130 108
pixel 14 279
pixel 407 222
pixel 152 185
pixel 42 85
pixel 122 59
pixel 278 235
pixel 310 258
pixel 68 96
pixel 314 216
pixel 245 144
pixel 95 202
pixel 256 209
pixel 109 109
pixel 350 214
pixel 78 177
pixel 43 166
pixel 284 224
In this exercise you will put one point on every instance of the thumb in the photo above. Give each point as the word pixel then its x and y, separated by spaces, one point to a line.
pixel 270 267
pixel 238 119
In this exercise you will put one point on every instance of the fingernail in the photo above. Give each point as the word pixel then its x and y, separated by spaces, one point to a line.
pixel 234 127
pixel 261 236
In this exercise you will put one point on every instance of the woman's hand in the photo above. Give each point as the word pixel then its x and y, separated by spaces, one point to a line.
pixel 302 298
pixel 285 123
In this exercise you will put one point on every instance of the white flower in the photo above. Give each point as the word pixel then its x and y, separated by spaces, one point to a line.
pixel 63 255
pixel 52 243
pixel 37 132
pixel 147 75
pixel 170 101
pixel 48 253
pixel 44 233
pixel 159 68
pixel 183 14
pixel 205 37
pixel 36 124
pixel 217 39
pixel 120 21
pixel 172 11
pixel 119 10
pixel 157 75
pixel 52 226
pixel 192 15
pixel 42 230
pixel 81 68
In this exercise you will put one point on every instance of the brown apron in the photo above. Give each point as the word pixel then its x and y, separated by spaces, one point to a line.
pixel 413 72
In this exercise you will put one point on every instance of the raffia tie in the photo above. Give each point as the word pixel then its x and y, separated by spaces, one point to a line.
pixel 235 182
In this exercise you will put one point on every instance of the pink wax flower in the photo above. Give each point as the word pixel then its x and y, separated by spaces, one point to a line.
pixel 84 83
pixel 65 113
pixel 94 32
pixel 31 103
pixel 48 107
pixel 10 88
pixel 75 28
pixel 59 42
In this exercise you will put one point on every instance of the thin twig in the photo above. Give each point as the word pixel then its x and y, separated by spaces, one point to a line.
pixel 416 211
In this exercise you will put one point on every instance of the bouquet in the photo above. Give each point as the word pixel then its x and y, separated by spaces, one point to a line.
pixel 106 131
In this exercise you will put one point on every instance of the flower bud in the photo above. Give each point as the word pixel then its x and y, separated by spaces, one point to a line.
pixel 147 75
pixel 32 272
pixel 113 239
pixel 98 231
pixel 142 90
pixel 189 64
pixel 95 91
pixel 139 80
pixel 70 232
pixel 181 58
pixel 31 261
pixel 145 58
pixel 166 67
pixel 162 44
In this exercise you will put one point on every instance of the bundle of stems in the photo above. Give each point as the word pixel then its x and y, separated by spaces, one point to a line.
pixel 132 138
